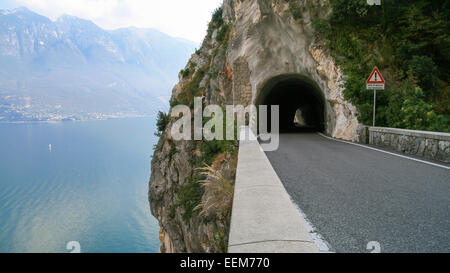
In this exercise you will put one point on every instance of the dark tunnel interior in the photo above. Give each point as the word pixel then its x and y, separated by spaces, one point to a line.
pixel 301 105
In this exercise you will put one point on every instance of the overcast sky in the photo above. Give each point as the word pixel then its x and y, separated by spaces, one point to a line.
pixel 180 18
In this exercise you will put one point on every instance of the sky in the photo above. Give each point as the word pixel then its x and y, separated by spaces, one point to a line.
pixel 179 18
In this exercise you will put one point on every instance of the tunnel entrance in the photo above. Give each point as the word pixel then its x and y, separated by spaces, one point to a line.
pixel 301 103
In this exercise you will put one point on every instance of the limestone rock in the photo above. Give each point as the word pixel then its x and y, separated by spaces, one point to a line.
pixel 263 45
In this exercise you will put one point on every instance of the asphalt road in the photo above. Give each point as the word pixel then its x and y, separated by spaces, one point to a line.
pixel 354 195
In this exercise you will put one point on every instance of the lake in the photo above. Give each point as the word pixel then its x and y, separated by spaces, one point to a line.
pixel 89 186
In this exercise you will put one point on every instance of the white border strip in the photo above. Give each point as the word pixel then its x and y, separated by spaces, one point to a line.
pixel 386 152
pixel 321 243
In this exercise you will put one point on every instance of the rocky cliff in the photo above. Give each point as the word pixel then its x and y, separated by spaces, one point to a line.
pixel 251 46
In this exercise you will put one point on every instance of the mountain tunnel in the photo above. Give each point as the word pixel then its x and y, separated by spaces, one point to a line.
pixel 300 101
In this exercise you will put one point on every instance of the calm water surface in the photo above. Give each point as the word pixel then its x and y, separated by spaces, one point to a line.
pixel 90 187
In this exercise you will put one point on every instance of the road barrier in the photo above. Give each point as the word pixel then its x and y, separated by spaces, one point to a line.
pixel 431 145
pixel 264 219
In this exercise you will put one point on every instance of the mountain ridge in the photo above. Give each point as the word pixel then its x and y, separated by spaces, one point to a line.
pixel 71 68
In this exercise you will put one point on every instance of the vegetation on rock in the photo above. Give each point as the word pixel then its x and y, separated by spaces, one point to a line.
pixel 161 123
pixel 216 22
pixel 409 42
pixel 208 191
pixel 221 189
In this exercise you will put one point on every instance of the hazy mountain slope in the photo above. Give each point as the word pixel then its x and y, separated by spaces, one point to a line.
pixel 71 68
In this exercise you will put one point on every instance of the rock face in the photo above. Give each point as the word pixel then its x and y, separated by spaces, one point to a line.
pixel 268 42
pixel 255 45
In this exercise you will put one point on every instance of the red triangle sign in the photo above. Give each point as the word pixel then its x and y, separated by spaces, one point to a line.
pixel 375 77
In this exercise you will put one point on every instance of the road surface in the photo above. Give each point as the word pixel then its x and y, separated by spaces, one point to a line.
pixel 353 195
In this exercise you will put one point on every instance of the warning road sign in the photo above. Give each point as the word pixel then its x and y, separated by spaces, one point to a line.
pixel 376 80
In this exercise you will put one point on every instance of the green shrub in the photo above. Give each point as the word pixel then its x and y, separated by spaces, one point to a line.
pixel 189 197
pixel 185 72
pixel 349 10
pixel 210 149
pixel 171 213
pixel 216 21
pixel 161 123
pixel 424 70
pixel 214 74
pixel 409 41
pixel 222 34
pixel 192 89
pixel 321 26
pixel 410 110
pixel 294 8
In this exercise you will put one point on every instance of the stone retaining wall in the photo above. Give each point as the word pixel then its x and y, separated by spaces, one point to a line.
pixel 431 145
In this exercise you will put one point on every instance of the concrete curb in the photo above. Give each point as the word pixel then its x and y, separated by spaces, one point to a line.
pixel 264 219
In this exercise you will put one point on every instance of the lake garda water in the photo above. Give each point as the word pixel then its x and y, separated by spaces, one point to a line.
pixel 89 185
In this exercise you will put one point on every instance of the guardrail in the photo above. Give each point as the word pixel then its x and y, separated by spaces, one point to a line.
pixel 264 219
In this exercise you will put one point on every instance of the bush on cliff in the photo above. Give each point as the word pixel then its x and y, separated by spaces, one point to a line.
pixel 161 123
pixel 219 189
pixel 216 21
pixel 189 197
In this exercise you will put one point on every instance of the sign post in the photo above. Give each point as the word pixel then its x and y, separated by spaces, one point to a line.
pixel 375 82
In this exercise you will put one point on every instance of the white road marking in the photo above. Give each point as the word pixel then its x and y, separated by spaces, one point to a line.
pixel 386 152
pixel 321 243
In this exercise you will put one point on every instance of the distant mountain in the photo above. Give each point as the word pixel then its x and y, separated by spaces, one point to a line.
pixel 72 69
